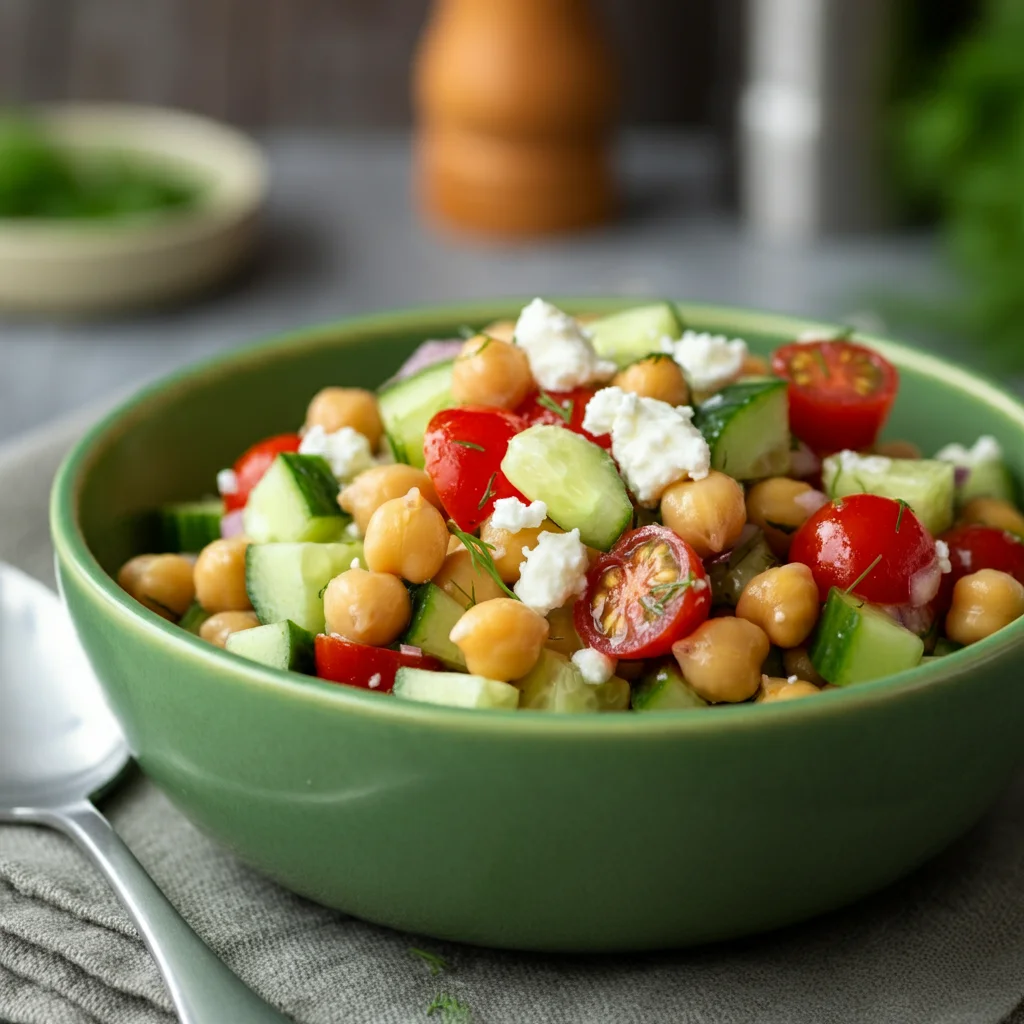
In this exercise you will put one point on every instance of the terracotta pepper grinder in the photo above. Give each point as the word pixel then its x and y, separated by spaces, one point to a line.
pixel 515 102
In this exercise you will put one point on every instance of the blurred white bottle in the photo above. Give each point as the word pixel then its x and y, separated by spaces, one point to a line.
pixel 811 117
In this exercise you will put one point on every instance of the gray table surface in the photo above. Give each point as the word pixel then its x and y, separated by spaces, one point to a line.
pixel 343 237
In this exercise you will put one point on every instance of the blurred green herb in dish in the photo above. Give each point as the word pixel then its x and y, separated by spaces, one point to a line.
pixel 42 180
pixel 960 145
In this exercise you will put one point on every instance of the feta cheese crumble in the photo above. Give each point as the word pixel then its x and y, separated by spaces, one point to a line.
pixel 513 515
pixel 654 443
pixel 374 681
pixel 352 530
pixel 708 361
pixel 854 462
pixel 595 667
pixel 985 449
pixel 227 482
pixel 942 554
pixel 559 350
pixel 347 451
pixel 355 564
pixel 555 571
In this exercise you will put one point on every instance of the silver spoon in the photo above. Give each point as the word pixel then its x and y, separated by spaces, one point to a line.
pixel 60 745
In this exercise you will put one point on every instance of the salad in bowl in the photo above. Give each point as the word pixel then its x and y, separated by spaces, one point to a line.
pixel 598 514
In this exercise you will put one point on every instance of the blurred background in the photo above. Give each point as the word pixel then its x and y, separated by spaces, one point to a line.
pixel 855 160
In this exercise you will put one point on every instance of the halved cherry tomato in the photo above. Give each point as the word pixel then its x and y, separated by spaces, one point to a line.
pixel 372 668
pixel 251 466
pixel 873 545
pixel 979 547
pixel 464 448
pixel 839 393
pixel 544 406
pixel 647 592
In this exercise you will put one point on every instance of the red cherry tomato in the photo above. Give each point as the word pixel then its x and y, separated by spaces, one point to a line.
pixel 464 448
pixel 344 661
pixel 647 592
pixel 839 393
pixel 873 545
pixel 544 406
pixel 979 547
pixel 249 469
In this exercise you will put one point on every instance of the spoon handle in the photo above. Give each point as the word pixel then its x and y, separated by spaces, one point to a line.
pixel 204 991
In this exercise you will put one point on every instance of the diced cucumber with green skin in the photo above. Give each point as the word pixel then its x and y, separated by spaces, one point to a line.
pixel 634 333
pixel 665 689
pixel 434 613
pixel 555 684
pixel 195 615
pixel 746 426
pixel 286 581
pixel 730 577
pixel 986 480
pixel 454 689
pixel 282 645
pixel 576 479
pixel 407 406
pixel 189 526
pixel 297 500
pixel 926 485
pixel 856 642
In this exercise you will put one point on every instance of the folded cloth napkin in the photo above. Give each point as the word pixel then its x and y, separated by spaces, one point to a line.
pixel 946 946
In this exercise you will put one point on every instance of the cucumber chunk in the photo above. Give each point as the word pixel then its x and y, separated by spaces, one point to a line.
pixel 576 479
pixel 454 689
pixel 195 615
pixel 665 689
pixel 408 405
pixel 729 576
pixel 297 500
pixel 190 525
pixel 926 485
pixel 857 642
pixel 282 645
pixel 434 614
pixel 555 684
pixel 746 426
pixel 980 469
pixel 634 333
pixel 286 581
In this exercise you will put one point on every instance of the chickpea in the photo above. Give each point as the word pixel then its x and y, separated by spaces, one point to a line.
pixel 406 536
pixel 657 377
pixel 367 607
pixel 797 662
pixel 775 506
pixel 501 639
pixel 898 449
pixel 491 372
pixel 784 602
pixel 508 547
pixel 503 330
pixel 708 514
pixel 994 512
pixel 562 635
pixel 220 576
pixel 217 628
pixel 368 491
pixel 722 659
pixel 983 603
pixel 334 408
pixel 464 582
pixel 754 366
pixel 773 689
pixel 163 583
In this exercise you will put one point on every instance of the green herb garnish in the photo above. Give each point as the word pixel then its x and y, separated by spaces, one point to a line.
pixel 452 1010
pixel 471 598
pixel 863 576
pixel 436 963
pixel 398 452
pixel 661 594
pixel 820 356
pixel 480 556
pixel 470 444
pixel 899 517
pixel 488 490
pixel 564 410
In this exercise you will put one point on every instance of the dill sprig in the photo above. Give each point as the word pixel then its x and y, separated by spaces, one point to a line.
pixel 863 576
pixel 480 556
pixel 452 1010
pixel 470 444
pixel 436 963
pixel 563 410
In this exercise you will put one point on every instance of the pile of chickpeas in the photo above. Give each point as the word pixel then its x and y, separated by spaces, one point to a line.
pixel 406 538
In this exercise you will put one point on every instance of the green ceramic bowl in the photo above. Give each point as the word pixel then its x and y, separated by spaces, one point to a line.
pixel 527 830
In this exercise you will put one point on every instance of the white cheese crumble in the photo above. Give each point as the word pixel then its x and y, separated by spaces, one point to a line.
pixel 513 515
pixel 355 564
pixel 966 557
pixel 708 361
pixel 595 667
pixel 942 554
pixel 854 462
pixel 654 443
pixel 374 681
pixel 227 482
pixel 791 679
pixel 985 449
pixel 347 451
pixel 554 572
pixel 559 350
pixel 352 530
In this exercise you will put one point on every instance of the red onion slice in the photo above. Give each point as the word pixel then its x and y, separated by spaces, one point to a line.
pixel 803 462
pixel 231 524
pixel 429 353
pixel 924 584
pixel 811 501
pixel 409 649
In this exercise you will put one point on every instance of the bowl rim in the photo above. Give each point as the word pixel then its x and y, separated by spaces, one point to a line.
pixel 74 556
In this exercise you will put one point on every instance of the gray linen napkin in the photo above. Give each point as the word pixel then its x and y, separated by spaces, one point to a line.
pixel 943 947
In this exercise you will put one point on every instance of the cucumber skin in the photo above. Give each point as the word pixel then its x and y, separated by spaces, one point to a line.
pixel 189 526
pixel 323 520
pixel 665 689
pixel 299 642
pixel 729 579
pixel 405 424
pixel 430 602
pixel 195 615
pixel 424 687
